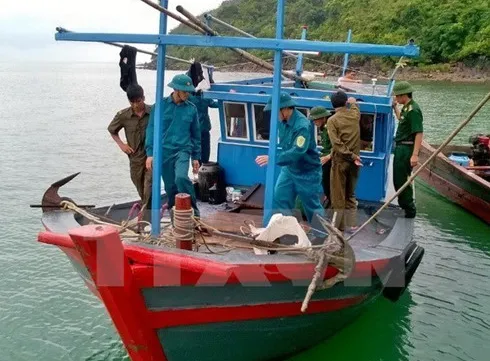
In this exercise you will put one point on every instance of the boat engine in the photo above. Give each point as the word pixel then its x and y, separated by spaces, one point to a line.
pixel 480 150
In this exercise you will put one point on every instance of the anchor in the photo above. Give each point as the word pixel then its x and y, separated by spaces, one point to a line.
pixel 52 200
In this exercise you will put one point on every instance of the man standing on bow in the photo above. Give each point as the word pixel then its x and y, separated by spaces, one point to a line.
pixel 345 134
pixel 134 121
pixel 319 116
pixel 181 141
pixel 299 159
pixel 408 140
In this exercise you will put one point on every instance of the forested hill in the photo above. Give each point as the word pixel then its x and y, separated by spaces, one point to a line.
pixel 447 31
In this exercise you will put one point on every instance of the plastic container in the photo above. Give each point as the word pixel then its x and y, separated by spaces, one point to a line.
pixel 461 159
pixel 211 174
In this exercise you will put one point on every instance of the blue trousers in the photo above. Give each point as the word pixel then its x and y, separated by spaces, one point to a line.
pixel 306 186
pixel 175 175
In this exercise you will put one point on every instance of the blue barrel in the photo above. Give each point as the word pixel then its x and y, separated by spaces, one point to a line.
pixel 460 158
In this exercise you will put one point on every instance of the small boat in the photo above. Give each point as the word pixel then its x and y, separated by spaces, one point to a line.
pixel 219 292
pixel 458 176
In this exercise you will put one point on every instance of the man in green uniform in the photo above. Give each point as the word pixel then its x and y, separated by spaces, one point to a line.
pixel 408 140
pixel 181 140
pixel 196 74
pixel 345 134
pixel 134 121
pixel 202 106
pixel 319 116
pixel 300 174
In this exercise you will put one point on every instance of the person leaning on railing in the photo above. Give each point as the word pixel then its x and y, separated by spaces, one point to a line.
pixel 408 140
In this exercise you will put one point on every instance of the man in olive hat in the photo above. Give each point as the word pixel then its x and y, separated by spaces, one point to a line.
pixel 319 116
pixel 299 159
pixel 408 140
pixel 181 140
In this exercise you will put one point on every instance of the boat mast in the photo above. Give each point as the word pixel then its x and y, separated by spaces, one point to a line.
pixel 299 61
pixel 346 56
pixel 156 198
pixel 276 92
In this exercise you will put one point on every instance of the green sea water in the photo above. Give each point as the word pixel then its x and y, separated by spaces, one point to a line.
pixel 54 123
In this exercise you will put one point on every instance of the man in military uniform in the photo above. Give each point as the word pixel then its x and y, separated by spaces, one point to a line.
pixel 408 140
pixel 319 116
pixel 134 121
pixel 299 159
pixel 196 74
pixel 202 106
pixel 181 140
pixel 344 133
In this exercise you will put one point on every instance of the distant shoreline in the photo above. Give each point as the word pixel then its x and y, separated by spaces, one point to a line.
pixel 456 73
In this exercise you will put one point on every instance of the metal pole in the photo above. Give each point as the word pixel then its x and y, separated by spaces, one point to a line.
pixel 63 30
pixel 209 17
pixel 346 56
pixel 226 25
pixel 276 93
pixel 156 200
pixel 299 61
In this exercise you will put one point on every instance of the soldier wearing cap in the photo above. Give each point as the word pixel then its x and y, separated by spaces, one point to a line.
pixel 181 140
pixel 345 134
pixel 299 159
pixel 319 116
pixel 408 140
pixel 134 121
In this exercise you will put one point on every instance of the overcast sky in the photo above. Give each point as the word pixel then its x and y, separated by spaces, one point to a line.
pixel 27 27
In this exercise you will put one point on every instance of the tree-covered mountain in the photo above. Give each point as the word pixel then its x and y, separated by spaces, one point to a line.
pixel 447 31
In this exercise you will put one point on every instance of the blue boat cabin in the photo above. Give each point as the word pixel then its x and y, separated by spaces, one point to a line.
pixel 245 126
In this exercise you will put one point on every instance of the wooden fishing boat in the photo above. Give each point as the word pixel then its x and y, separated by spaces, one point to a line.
pixel 463 184
pixel 219 292
pixel 213 304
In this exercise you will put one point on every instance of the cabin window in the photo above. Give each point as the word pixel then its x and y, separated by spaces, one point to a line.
pixel 367 125
pixel 304 111
pixel 261 122
pixel 236 120
pixel 318 136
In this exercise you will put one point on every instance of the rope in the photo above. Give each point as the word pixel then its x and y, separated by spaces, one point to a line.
pixel 433 155
pixel 183 225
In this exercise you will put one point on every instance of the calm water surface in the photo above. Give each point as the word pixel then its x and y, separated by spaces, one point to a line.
pixel 54 123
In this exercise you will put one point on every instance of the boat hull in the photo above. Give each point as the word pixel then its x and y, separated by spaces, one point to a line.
pixel 456 183
pixel 171 306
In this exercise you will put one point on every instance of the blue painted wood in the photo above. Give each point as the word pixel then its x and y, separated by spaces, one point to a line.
pixel 346 56
pixel 157 133
pixel 246 43
pixel 302 93
pixel 267 80
pixel 255 340
pixel 271 172
pixel 365 107
pixel 238 161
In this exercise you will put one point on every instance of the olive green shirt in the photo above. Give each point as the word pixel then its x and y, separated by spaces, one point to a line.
pixel 134 128
pixel 325 140
pixel 345 133
pixel 410 123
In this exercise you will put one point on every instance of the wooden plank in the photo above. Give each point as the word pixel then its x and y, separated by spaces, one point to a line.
pixel 230 222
